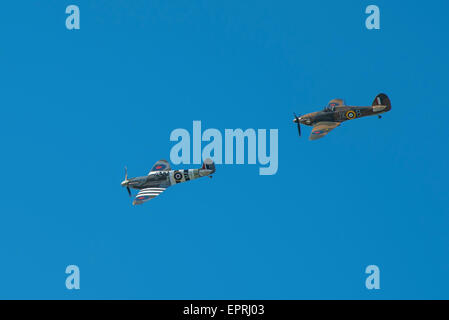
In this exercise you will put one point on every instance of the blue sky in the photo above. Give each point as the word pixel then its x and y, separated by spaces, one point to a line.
pixel 77 106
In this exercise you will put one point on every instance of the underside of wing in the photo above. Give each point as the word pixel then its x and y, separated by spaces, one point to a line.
pixel 161 165
pixel 322 128
pixel 147 194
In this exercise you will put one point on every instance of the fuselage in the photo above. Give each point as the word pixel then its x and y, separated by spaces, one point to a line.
pixel 340 114
pixel 165 179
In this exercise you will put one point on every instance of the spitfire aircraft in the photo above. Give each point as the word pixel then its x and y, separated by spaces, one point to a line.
pixel 336 112
pixel 161 177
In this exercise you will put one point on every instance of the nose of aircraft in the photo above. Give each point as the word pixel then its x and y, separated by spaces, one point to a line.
pixel 124 183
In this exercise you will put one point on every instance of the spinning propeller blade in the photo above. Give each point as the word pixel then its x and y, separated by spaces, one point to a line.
pixel 297 122
pixel 126 179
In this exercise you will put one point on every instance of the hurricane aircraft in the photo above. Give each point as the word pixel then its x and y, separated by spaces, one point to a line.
pixel 337 112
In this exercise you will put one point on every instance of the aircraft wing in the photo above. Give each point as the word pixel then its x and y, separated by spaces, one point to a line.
pixel 147 194
pixel 322 128
pixel 161 165
pixel 336 103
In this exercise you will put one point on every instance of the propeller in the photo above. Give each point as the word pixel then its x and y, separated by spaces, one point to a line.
pixel 297 122
pixel 126 179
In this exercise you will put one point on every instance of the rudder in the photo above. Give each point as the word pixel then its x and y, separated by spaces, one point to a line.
pixel 382 100
pixel 209 165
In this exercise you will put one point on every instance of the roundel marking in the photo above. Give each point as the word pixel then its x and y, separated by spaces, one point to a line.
pixel 350 115
pixel 178 176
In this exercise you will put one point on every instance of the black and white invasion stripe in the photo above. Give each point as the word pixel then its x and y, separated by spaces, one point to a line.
pixel 147 194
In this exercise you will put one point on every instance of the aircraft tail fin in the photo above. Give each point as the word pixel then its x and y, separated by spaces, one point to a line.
pixel 208 164
pixel 382 100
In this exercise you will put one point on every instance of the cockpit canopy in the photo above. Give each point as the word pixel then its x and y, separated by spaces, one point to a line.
pixel 330 107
